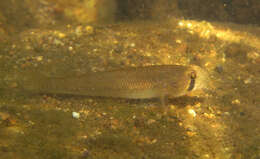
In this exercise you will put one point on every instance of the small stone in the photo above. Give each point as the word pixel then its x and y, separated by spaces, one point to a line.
pixel 206 156
pixel 198 105
pixel 13 85
pixel 153 141
pixel 89 29
pixel 75 115
pixel 58 42
pixel 90 100
pixel 132 45
pixel 181 23
pixel 150 121
pixel 218 112
pixel 172 107
pixel 70 48
pixel 4 116
pixel 189 25
pixel 61 35
pixel 190 134
pixel 219 69
pixel 236 101
pixel 85 154
pixel 242 113
pixel 14 130
pixel 78 30
pixel 178 41
pixel 248 80
pixel 39 58
pixel 253 55
pixel 210 116
pixel 192 112
pixel 226 113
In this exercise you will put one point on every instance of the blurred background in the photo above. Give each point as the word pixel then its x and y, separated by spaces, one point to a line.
pixel 68 38
pixel 18 15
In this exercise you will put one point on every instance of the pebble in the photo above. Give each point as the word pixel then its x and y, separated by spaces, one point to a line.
pixel 4 116
pixel 210 116
pixel 236 101
pixel 190 134
pixel 206 156
pixel 181 24
pixel 39 58
pixel 85 154
pixel 248 81
pixel 219 69
pixel 253 55
pixel 58 42
pixel 61 35
pixel 192 112
pixel 75 115
pixel 132 45
pixel 178 41
pixel 13 85
pixel 78 30
pixel 150 121
pixel 89 29
pixel 13 130
pixel 70 48
pixel 226 113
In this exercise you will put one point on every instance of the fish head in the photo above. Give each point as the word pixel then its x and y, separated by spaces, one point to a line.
pixel 198 80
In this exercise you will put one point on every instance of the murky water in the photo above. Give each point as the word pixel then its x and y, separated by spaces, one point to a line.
pixel 66 40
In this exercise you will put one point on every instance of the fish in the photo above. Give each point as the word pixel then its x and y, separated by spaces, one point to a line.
pixel 156 81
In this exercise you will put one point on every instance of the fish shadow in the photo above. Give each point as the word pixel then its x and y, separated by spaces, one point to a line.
pixel 178 101
pixel 185 100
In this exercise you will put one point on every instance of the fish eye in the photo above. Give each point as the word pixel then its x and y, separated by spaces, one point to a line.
pixel 193 75
pixel 192 80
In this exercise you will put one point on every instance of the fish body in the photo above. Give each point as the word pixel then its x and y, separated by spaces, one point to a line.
pixel 132 83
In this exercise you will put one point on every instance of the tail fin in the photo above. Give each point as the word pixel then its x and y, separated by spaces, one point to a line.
pixel 22 82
